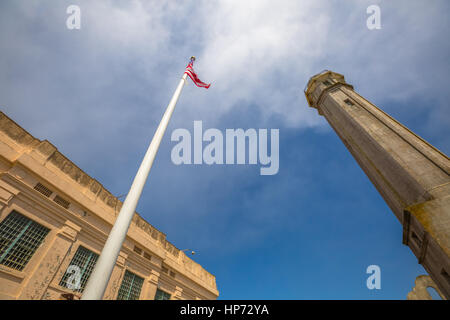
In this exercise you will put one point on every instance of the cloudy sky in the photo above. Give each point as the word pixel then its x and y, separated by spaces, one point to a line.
pixel 308 232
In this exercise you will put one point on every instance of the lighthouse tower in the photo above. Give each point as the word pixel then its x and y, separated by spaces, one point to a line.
pixel 410 174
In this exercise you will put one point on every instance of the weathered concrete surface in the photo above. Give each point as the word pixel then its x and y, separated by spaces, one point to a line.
pixel 420 292
pixel 411 175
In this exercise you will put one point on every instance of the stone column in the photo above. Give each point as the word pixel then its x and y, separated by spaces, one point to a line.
pixel 177 293
pixel 7 192
pixel 116 277
pixel 51 260
pixel 151 286
pixel 411 175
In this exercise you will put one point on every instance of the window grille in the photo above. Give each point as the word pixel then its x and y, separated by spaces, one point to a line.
pixel 131 286
pixel 62 202
pixel 19 239
pixel 85 260
pixel 161 295
pixel 43 189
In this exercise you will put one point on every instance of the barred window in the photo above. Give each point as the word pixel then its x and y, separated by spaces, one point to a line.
pixel 19 239
pixel 131 286
pixel 79 270
pixel 43 189
pixel 62 202
pixel 161 295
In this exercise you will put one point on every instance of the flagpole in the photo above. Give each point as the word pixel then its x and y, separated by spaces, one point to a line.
pixel 96 285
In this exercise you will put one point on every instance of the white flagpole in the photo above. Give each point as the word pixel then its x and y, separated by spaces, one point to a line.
pixel 96 285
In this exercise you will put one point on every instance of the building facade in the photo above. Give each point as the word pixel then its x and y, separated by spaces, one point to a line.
pixel 410 174
pixel 54 221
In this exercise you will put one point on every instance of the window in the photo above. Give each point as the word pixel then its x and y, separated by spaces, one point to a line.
pixel 19 239
pixel 327 83
pixel 161 295
pixel 43 189
pixel 62 202
pixel 416 239
pixel 85 260
pixel 349 102
pixel 445 275
pixel 137 250
pixel 131 286
pixel 147 256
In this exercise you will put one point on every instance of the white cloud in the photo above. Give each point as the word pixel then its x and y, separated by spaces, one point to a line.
pixel 98 93
pixel 258 52
pixel 254 52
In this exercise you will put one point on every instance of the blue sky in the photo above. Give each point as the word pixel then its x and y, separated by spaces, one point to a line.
pixel 308 232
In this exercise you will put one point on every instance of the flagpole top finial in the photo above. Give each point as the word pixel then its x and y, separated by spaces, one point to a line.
pixel 193 58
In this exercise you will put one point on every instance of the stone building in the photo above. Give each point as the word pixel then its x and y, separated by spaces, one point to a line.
pixel 410 174
pixel 54 220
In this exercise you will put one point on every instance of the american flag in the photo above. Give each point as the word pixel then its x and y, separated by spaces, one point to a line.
pixel 191 73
